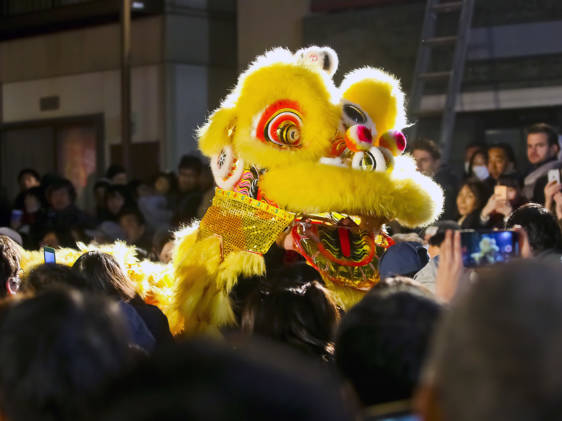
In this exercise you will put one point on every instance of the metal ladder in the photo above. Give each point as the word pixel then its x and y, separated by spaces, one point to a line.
pixel 422 74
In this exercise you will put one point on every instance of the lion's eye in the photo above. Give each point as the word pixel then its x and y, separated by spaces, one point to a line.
pixel 281 124
pixel 375 159
pixel 354 113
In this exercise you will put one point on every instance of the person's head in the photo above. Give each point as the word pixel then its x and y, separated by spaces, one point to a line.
pixel 33 200
pixel 61 194
pixel 133 224
pixel 382 341
pixel 542 143
pixel 427 156
pixel 189 171
pixel 292 307
pixel 116 174
pixel 501 159
pixel 469 152
pixel 62 347
pixel 116 198
pixel 404 258
pixel 540 225
pixel 208 380
pixel 514 186
pixel 104 275
pixel 496 353
pixel 52 275
pixel 100 189
pixel 10 255
pixel 28 178
pixel 162 245
pixel 165 182
pixel 478 165
pixel 472 195
pixel 436 235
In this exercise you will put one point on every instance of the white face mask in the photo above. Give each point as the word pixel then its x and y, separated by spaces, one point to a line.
pixel 480 171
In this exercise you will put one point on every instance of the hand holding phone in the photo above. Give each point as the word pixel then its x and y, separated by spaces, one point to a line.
pixel 450 268
pixel 554 175
pixel 500 192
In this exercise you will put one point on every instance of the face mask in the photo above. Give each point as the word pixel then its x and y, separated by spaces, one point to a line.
pixel 480 171
pixel 466 166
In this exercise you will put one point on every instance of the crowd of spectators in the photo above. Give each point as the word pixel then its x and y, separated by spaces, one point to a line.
pixel 141 212
pixel 432 340
pixel 492 186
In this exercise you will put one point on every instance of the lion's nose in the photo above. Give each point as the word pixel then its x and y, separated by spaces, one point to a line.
pixel 358 138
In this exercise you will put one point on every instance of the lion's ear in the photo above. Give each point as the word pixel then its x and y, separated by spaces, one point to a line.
pixel 218 131
pixel 323 58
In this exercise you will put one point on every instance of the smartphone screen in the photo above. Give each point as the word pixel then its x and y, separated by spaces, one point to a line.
pixel 554 175
pixel 488 247
pixel 500 192
pixel 49 255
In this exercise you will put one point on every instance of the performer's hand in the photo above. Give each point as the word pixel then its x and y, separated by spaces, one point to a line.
pixel 450 266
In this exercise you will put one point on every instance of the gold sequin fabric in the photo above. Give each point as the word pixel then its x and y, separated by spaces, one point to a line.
pixel 243 223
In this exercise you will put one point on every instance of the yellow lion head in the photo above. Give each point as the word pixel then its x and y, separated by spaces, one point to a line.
pixel 332 157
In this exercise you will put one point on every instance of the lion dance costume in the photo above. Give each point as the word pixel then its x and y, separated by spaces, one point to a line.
pixel 294 158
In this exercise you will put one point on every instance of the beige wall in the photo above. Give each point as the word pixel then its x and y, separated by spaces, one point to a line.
pixel 263 24
pixel 83 50
pixel 91 93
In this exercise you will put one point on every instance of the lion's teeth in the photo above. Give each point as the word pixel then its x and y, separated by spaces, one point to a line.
pixel 337 162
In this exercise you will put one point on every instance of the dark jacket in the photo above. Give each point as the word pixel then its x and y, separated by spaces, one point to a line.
pixel 450 185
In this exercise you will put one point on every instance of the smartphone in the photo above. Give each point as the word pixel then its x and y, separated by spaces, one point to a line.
pixel 16 215
pixel 481 248
pixel 554 175
pixel 500 192
pixel 49 255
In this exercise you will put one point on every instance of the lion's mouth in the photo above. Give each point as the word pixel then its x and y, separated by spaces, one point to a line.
pixel 340 249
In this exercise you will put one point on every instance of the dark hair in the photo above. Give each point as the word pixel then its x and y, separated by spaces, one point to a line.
pixel 62 183
pixel 123 191
pixel 113 170
pixel 382 341
pixel 47 276
pixel 160 239
pixel 428 146
pixel 547 129
pixel 104 275
pixel 442 227
pixel 479 189
pixel 292 307
pixel 501 338
pixel 10 254
pixel 62 347
pixel 29 171
pixel 473 157
pixel 38 193
pixel 208 380
pixel 190 162
pixel 135 212
pixel 508 150
pixel 170 176
pixel 101 183
pixel 539 224
pixel 510 180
